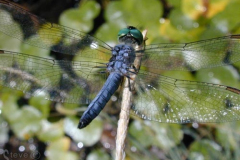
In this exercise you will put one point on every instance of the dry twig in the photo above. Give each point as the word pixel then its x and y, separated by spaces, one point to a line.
pixel 125 110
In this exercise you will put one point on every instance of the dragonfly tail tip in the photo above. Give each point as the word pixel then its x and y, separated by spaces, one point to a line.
pixel 82 124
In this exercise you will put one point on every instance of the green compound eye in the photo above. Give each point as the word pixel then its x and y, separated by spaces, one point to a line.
pixel 131 32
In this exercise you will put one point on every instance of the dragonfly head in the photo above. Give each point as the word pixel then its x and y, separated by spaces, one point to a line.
pixel 130 35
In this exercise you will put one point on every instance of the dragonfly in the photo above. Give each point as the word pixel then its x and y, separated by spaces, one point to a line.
pixel 98 75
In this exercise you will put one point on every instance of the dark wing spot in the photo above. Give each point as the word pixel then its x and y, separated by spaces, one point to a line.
pixel 228 104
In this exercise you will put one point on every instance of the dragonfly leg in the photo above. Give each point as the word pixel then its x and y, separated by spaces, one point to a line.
pixel 129 84
pixel 132 72
pixel 131 88
pixel 135 69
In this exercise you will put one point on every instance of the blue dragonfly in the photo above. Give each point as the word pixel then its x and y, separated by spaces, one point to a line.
pixel 93 80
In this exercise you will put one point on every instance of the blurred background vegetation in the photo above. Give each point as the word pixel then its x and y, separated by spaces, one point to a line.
pixel 30 124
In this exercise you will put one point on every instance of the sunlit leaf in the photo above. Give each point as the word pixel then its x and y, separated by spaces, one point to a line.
pixel 51 131
pixel 59 150
pixel 88 136
pixel 81 19
pixel 98 155
pixel 205 149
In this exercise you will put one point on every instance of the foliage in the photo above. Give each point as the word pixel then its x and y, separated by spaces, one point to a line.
pixel 167 22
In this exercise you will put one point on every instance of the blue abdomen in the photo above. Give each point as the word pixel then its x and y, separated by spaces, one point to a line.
pixel 99 102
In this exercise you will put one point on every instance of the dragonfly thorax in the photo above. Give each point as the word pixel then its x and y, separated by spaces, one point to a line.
pixel 122 58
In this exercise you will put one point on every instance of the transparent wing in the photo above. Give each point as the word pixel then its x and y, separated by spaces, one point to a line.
pixel 40 33
pixel 192 56
pixel 165 99
pixel 61 81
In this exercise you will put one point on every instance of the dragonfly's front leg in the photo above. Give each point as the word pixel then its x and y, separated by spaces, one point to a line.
pixel 134 73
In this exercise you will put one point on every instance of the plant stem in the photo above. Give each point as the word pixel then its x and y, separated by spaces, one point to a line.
pixel 125 109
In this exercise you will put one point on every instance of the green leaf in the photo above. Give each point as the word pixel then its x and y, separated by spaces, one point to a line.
pixel 205 149
pixel 179 35
pixel 89 9
pixel 98 155
pixel 108 32
pixel 122 11
pixel 181 21
pixel 140 132
pixel 51 131
pixel 88 136
pixel 41 103
pixel 27 122
pixel 154 133
pixel 167 135
pixel 228 19
pixel 59 150
pixel 10 107
pixel 220 75
pixel 231 131
pixel 81 19
pixel 193 9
